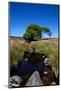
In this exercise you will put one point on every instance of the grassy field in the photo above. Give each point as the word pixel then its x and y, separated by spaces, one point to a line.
pixel 49 47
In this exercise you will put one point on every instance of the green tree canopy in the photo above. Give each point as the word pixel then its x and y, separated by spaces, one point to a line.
pixel 34 32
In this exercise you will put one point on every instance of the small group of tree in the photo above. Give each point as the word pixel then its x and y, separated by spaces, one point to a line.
pixel 34 32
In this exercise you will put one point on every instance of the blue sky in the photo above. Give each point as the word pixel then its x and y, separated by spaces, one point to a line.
pixel 21 15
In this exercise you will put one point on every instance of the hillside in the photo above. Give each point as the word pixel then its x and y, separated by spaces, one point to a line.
pixel 48 46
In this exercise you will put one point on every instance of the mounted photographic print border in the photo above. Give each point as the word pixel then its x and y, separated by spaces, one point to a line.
pixel 34 44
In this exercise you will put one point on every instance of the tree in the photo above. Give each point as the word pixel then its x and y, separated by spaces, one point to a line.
pixel 34 32
pixel 46 30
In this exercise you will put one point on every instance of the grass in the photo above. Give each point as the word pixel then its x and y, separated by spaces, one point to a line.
pixel 49 47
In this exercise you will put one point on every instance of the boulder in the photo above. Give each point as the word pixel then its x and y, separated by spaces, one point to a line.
pixel 34 80
pixel 52 84
pixel 15 81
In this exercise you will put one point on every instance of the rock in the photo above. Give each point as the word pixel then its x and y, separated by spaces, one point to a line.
pixel 34 80
pixel 15 81
pixel 53 83
pixel 46 60
pixel 13 69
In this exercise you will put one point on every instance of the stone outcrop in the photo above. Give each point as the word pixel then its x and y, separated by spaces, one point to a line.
pixel 15 81
pixel 34 80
